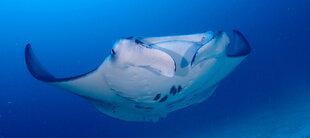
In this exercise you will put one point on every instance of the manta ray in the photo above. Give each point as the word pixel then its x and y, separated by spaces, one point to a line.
pixel 145 78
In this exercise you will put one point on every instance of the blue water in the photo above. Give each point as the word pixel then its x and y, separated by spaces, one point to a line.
pixel 74 36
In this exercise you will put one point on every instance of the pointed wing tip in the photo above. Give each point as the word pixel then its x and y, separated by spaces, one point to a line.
pixel 239 47
pixel 40 73
pixel 28 50
pixel 28 45
pixel 35 67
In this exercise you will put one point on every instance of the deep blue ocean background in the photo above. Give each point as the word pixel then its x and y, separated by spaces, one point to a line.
pixel 267 95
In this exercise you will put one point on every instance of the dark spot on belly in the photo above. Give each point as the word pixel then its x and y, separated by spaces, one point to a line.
pixel 173 90
pixel 156 97
pixel 163 99
pixel 179 88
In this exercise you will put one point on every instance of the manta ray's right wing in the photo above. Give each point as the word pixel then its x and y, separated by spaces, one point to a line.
pixel 90 85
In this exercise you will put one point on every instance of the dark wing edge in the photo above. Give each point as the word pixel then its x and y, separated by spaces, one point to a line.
pixel 239 45
pixel 40 73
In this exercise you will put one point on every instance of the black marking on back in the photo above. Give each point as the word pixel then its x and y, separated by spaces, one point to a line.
pixel 138 41
pixel 130 37
pixel 163 99
pixel 173 90
pixel 112 52
pixel 156 97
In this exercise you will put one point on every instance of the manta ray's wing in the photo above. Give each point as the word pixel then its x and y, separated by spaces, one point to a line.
pixel 230 52
pixel 89 85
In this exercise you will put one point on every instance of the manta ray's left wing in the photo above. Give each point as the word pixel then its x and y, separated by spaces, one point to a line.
pixel 89 85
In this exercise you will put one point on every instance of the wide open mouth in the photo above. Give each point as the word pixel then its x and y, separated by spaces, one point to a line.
pixel 181 49
pixel 171 44
pixel 190 50
pixel 238 46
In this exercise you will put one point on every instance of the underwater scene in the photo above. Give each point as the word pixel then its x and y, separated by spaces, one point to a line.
pixel 154 69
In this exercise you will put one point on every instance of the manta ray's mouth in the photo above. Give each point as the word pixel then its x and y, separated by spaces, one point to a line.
pixel 182 49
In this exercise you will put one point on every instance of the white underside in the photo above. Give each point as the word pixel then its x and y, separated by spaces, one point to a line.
pixel 128 93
